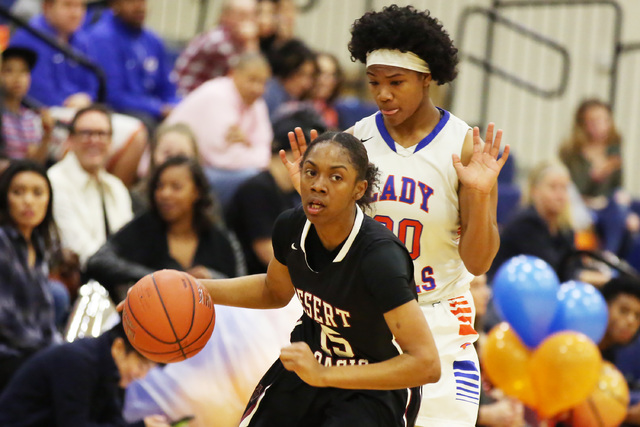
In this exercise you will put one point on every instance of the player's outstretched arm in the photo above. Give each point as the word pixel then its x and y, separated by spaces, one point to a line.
pixel 478 172
pixel 271 290
pixel 419 364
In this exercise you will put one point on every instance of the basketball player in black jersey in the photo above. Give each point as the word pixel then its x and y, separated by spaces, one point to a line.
pixel 362 347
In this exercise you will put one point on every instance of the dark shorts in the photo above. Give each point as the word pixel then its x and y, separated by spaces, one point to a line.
pixel 282 399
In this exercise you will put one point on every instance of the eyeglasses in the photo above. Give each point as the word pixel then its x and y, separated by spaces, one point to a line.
pixel 88 133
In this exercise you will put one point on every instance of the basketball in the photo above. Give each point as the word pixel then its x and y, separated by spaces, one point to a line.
pixel 607 405
pixel 168 317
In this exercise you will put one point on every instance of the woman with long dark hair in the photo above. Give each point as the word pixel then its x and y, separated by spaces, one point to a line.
pixel 28 238
pixel 180 231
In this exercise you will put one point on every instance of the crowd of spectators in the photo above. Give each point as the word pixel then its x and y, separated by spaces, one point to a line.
pixel 178 166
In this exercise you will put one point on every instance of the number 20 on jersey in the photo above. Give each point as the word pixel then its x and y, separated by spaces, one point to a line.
pixel 409 232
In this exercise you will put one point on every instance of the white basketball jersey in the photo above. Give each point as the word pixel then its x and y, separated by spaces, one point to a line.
pixel 417 198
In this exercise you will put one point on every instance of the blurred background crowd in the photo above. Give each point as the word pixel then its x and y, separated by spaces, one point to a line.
pixel 139 135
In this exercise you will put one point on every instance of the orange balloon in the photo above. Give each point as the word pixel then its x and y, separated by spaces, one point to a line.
pixel 505 361
pixel 607 404
pixel 564 370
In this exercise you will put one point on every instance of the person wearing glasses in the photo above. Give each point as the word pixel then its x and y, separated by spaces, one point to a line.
pixel 90 204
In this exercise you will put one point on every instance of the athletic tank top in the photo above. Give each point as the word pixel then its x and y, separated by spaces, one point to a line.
pixel 417 199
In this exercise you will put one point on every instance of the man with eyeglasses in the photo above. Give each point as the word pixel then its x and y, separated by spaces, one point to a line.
pixel 89 203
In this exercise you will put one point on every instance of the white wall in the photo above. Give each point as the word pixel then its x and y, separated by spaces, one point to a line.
pixel 533 126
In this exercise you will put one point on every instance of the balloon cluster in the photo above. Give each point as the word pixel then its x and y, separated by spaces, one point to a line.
pixel 545 353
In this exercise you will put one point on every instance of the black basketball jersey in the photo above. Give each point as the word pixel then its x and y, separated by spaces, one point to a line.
pixel 344 302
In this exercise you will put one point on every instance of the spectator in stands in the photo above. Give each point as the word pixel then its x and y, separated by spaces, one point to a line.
pixel 592 154
pixel 294 71
pixel 135 62
pixel 77 384
pixel 27 134
pixel 267 21
pixel 276 23
pixel 62 84
pixel 622 294
pixel 28 238
pixel 327 88
pixel 178 232
pixel 260 199
pixel 58 80
pixel 231 124
pixel 90 203
pixel 171 140
pixel 211 54
pixel 543 228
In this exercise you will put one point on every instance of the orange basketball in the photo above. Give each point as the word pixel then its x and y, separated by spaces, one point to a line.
pixel 607 404
pixel 168 316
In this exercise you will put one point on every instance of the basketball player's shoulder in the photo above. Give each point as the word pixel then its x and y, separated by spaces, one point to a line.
pixel 376 232
pixel 289 222
pixel 365 128
pixel 292 215
pixel 456 124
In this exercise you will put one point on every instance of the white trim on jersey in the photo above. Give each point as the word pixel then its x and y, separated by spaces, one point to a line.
pixel 357 224
pixel 384 133
pixel 417 199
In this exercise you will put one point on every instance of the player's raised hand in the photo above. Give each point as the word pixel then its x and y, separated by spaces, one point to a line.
pixel 298 144
pixel 481 173
pixel 298 358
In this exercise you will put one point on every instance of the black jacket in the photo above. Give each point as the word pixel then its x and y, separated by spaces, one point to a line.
pixel 68 385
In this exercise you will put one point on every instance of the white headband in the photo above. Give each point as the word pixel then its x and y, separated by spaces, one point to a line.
pixel 395 58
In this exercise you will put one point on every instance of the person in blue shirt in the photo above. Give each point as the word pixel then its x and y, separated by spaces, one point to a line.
pixel 56 79
pixel 135 62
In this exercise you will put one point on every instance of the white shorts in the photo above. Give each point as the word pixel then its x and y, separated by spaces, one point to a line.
pixel 453 401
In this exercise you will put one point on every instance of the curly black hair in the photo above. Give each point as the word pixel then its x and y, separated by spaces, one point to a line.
pixel 408 30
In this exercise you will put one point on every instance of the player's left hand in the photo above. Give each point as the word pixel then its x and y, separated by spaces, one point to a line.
pixel 298 144
pixel 481 173
pixel 298 358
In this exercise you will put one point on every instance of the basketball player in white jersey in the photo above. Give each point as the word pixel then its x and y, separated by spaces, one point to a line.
pixel 437 192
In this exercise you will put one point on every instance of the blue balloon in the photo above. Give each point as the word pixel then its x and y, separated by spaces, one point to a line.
pixel 525 295
pixel 581 308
